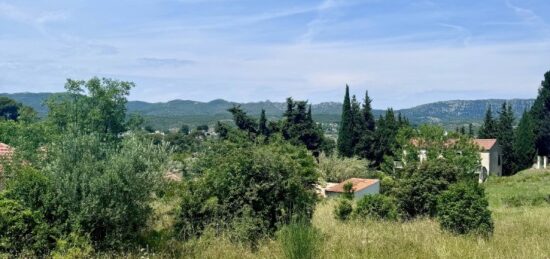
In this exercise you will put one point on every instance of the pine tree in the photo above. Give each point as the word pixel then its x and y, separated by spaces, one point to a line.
pixel 524 143
pixel 541 117
pixel 356 123
pixel 262 128
pixel 368 118
pixel 488 129
pixel 471 130
pixel 385 141
pixel 345 133
pixel 505 136
pixel 462 130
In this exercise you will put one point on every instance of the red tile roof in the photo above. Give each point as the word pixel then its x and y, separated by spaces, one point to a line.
pixel 359 184
pixel 485 144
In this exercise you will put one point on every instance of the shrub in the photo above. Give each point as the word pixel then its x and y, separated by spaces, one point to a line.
pixel 343 209
pixel 463 209
pixel 376 206
pixel 21 229
pixel 419 188
pixel 300 241
pixel 348 191
pixel 73 246
pixel 270 183
pixel 335 169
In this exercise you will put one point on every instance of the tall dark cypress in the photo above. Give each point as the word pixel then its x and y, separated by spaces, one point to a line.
pixel 364 147
pixel 263 129
pixel 345 133
pixel 488 129
pixel 524 143
pixel 505 136
pixel 541 117
pixel 368 117
pixel 471 130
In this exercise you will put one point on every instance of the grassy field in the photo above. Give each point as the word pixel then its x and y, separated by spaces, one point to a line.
pixel 521 211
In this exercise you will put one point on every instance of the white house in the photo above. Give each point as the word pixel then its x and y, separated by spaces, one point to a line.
pixel 491 156
pixel 361 187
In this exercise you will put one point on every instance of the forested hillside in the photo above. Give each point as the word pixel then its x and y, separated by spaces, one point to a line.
pixel 173 113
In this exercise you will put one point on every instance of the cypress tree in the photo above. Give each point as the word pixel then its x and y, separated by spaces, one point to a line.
pixel 345 133
pixel 471 130
pixel 368 117
pixel 524 143
pixel 505 136
pixel 462 130
pixel 541 117
pixel 263 129
pixel 356 123
pixel 488 129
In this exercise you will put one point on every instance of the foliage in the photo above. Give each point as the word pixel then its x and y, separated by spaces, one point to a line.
pixel 348 193
pixel 21 229
pixel 419 187
pixel 346 131
pixel 376 206
pixel 343 209
pixel 385 137
pixel 298 127
pixel 9 109
pixel 506 136
pixel 73 246
pixel 524 143
pixel 271 183
pixel 489 129
pixel 335 169
pixel 93 106
pixel 243 121
pixel 463 209
pixel 300 241
pixel 541 116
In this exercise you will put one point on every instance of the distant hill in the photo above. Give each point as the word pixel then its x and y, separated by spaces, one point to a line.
pixel 174 113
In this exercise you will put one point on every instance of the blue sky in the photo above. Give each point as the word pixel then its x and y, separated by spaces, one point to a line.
pixel 404 52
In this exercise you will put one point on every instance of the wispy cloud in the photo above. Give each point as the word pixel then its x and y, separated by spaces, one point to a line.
pixel 18 14
pixel 171 62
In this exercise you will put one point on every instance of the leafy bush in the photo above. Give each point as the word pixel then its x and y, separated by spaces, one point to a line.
pixel 419 188
pixel 376 206
pixel 463 209
pixel 335 169
pixel 300 241
pixel 343 209
pixel 270 183
pixel 21 229
pixel 73 246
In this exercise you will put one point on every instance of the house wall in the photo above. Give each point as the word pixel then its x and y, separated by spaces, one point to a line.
pixel 490 160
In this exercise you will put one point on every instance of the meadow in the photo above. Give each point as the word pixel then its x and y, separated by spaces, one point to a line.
pixel 520 206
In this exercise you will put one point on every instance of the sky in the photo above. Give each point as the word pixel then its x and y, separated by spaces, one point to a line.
pixel 404 52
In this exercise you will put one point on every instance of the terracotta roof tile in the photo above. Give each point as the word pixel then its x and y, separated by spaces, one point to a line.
pixel 5 149
pixel 485 144
pixel 359 184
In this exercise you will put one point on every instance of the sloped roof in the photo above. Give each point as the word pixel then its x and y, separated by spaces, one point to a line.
pixel 359 184
pixel 485 144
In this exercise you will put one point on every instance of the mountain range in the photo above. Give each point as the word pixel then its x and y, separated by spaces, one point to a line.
pixel 164 115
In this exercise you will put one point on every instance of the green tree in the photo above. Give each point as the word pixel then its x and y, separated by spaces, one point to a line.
pixel 184 129
pixel 385 137
pixel 93 106
pixel 524 143
pixel 489 128
pixel 505 136
pixel 365 144
pixel 541 117
pixel 471 130
pixel 299 128
pixel 243 121
pixel 463 209
pixel 345 132
pixel 263 127
pixel 9 109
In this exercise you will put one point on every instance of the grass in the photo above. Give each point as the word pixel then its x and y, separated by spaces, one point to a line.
pixel 521 231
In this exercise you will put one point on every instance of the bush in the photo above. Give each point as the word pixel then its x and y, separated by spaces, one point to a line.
pixel 300 241
pixel 343 209
pixel 376 206
pixel 73 246
pixel 335 169
pixel 21 229
pixel 418 190
pixel 270 183
pixel 463 209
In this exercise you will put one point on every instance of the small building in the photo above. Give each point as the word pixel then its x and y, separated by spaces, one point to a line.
pixel 491 156
pixel 361 187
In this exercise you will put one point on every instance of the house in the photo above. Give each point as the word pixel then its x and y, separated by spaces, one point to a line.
pixel 491 156
pixel 361 187
pixel 490 153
